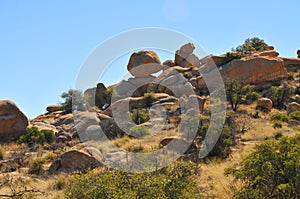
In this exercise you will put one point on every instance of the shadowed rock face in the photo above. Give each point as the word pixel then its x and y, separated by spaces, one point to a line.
pixel 13 122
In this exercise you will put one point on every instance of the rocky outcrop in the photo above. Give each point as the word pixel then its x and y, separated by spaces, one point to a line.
pixel 77 160
pixel 268 53
pixel 184 56
pixel 298 54
pixel 13 122
pixel 97 96
pixel 265 103
pixel 144 63
pixel 291 64
pixel 292 107
pixel 254 70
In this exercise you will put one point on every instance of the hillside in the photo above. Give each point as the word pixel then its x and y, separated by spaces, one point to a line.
pixel 184 120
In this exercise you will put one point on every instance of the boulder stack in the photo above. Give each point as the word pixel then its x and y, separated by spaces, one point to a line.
pixel 184 56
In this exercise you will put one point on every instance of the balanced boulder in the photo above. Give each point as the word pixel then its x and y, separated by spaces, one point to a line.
pixel 13 122
pixel 144 63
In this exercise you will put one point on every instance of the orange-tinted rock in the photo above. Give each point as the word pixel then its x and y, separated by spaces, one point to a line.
pixel 53 108
pixel 292 107
pixel 265 103
pixel 254 70
pixel 77 160
pixel 268 53
pixel 13 122
pixel 144 63
pixel 298 53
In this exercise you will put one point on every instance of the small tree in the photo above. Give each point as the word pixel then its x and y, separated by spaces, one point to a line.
pixel 252 44
pixel 280 95
pixel 73 100
pixel 234 93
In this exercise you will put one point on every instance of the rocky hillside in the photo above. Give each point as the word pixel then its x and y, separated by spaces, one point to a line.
pixel 146 112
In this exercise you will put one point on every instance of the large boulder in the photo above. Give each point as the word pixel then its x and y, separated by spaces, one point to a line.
pixel 184 56
pixel 255 70
pixel 144 63
pixel 176 144
pixel 265 103
pixel 292 107
pixel 13 122
pixel 291 64
pixel 77 160
pixel 53 108
pixel 298 53
pixel 268 53
pixel 97 96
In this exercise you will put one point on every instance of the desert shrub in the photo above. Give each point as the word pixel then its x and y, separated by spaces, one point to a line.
pixel 232 55
pixel 138 131
pixel 271 171
pixel 234 93
pixel 174 181
pixel 60 183
pixel 279 117
pixel 252 44
pixel 36 166
pixel 277 124
pixel 278 135
pixel 280 95
pixel 150 98
pixel 35 136
pixel 73 100
pixel 252 96
pixel 140 116
pixel 295 115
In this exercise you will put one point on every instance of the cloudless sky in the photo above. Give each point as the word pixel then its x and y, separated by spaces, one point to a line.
pixel 44 43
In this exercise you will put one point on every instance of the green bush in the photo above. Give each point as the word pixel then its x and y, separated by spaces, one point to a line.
pixel 280 95
pixel 295 115
pixel 232 55
pixel 35 136
pixel 36 166
pixel 174 181
pixel 277 124
pixel 73 100
pixel 252 96
pixel 140 116
pixel 139 131
pixel 271 171
pixel 251 45
pixel 279 117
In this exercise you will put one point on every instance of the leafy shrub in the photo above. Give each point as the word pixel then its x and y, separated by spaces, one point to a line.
pixel 277 124
pixel 36 166
pixel 279 117
pixel 232 55
pixel 295 115
pixel 35 136
pixel 278 135
pixel 73 100
pixel 252 44
pixel 140 116
pixel 271 171
pixel 252 96
pixel 139 131
pixel 280 95
pixel 174 181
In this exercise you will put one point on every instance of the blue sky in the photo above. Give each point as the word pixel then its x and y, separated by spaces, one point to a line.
pixel 44 43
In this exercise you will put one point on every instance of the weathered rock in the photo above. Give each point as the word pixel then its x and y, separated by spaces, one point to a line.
pixel 268 53
pixel 292 123
pixel 77 160
pixel 13 122
pixel 144 63
pixel 184 56
pixel 292 107
pixel 176 144
pixel 298 53
pixel 255 70
pixel 187 49
pixel 53 108
pixel 97 96
pixel 168 63
pixel 265 103
pixel 291 64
